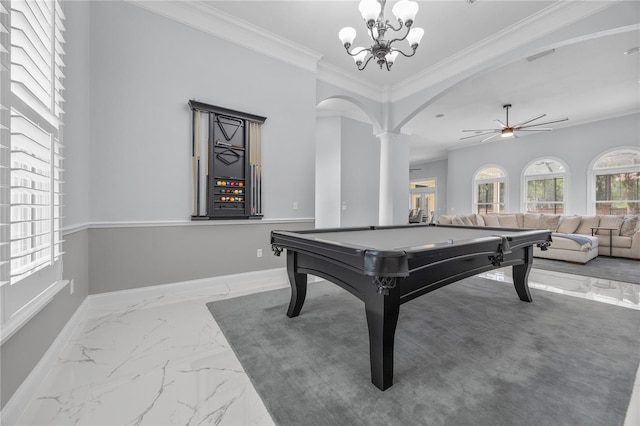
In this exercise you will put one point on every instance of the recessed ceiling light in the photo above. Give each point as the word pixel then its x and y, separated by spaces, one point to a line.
pixel 632 51
pixel 439 115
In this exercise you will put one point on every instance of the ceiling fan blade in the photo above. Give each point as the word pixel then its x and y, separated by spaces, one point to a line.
pixel 482 130
pixel 530 120
pixel 544 129
pixel 501 123
pixel 481 134
pixel 490 137
pixel 546 122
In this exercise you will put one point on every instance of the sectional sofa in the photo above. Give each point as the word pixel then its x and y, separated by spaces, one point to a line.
pixel 575 238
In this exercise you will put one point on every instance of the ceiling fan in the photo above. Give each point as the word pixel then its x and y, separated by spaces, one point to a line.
pixel 507 131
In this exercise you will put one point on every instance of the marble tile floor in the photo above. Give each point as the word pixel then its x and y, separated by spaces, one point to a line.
pixel 164 361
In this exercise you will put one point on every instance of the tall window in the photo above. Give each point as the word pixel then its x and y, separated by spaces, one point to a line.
pixel 32 99
pixel 489 190
pixel 544 182
pixel 616 176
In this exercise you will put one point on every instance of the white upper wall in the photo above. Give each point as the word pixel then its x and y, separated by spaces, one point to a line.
pixel 76 130
pixel 144 69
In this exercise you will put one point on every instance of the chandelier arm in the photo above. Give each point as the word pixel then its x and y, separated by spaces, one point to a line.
pixel 400 39
pixel 359 51
pixel 388 25
pixel 365 64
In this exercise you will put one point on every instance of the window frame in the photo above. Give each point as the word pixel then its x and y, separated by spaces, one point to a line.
pixel 526 178
pixel 592 173
pixel 475 182
pixel 21 297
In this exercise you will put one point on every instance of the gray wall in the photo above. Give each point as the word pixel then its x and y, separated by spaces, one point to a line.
pixel 328 172
pixel 360 170
pixel 134 257
pixel 577 146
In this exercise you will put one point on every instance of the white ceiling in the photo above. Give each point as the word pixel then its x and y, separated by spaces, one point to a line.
pixel 586 79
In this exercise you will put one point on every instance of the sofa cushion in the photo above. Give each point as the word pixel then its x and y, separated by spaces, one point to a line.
pixel 531 220
pixel 566 242
pixel 479 220
pixel 445 219
pixel 490 220
pixel 629 226
pixel 586 224
pixel 618 241
pixel 508 221
pixel 457 220
pixel 610 221
pixel 568 224
pixel 549 221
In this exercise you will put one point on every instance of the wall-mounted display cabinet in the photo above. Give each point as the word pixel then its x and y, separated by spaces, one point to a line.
pixel 226 163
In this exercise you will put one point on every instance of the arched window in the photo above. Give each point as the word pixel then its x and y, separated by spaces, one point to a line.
pixel 616 182
pixel 489 190
pixel 544 186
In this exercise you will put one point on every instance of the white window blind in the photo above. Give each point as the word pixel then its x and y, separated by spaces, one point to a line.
pixel 5 92
pixel 35 110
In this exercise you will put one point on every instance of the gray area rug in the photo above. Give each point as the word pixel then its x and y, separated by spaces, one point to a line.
pixel 470 353
pixel 608 268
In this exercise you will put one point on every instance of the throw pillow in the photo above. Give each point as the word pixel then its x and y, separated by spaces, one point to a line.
pixel 457 220
pixel 531 220
pixel 629 226
pixel 610 221
pixel 472 219
pixel 479 220
pixel 466 221
pixel 445 219
pixel 568 224
pixel 586 224
pixel 549 221
pixel 490 220
pixel 508 221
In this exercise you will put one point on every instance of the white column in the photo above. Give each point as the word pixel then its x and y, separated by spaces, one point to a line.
pixel 394 180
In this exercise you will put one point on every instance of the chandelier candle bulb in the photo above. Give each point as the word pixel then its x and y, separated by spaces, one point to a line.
pixel 370 11
pixel 414 37
pixel 347 35
pixel 405 11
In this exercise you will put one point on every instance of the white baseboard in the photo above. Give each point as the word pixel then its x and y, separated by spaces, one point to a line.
pixel 242 283
pixel 14 408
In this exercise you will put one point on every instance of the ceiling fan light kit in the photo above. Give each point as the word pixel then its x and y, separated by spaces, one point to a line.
pixel 372 12
pixel 509 131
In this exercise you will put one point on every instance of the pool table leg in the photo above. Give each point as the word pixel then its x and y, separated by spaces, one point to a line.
pixel 520 275
pixel 382 318
pixel 298 284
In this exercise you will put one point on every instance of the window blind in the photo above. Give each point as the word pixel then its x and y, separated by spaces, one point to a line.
pixel 35 117
pixel 5 91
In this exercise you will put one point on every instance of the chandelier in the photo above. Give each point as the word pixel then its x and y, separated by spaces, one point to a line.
pixel 373 13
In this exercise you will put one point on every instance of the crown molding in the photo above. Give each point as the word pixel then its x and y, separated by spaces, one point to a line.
pixel 202 16
pixel 552 18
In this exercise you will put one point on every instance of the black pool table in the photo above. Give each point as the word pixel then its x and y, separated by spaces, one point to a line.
pixel 388 266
